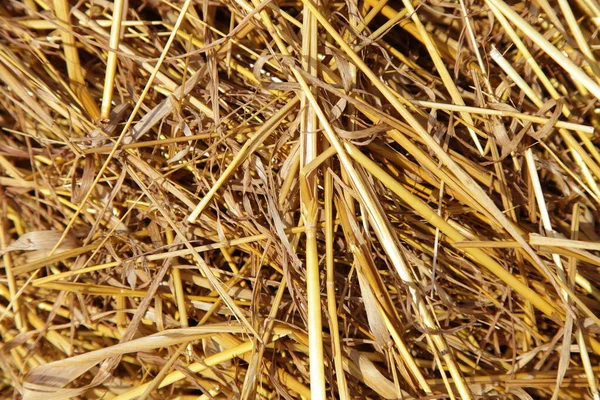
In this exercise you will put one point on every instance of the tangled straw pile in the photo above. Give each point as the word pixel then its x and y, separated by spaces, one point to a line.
pixel 244 199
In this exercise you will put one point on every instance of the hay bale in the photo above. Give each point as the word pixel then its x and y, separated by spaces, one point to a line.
pixel 246 199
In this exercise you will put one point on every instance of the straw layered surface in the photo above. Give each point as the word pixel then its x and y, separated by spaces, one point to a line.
pixel 245 199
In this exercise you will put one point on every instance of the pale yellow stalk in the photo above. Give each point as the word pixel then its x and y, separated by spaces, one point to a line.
pixel 74 68
pixel 119 13
pixel 562 60
pixel 336 347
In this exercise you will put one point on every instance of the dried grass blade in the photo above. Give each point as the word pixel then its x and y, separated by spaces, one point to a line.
pixel 59 373
pixel 249 147
pixel 545 45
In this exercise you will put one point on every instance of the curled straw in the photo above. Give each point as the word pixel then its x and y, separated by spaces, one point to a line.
pixel 246 199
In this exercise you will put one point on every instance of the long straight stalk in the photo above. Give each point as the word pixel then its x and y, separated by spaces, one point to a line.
pixel 468 182
pixel 562 60
pixel 579 335
pixel 8 267
pixel 310 207
pixel 330 285
pixel 442 70
pixel 74 68
pixel 111 60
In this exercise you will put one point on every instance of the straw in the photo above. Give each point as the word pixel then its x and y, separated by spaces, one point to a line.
pixel 111 59
pixel 253 200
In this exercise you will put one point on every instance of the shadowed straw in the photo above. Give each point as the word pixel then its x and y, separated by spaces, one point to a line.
pixel 299 199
